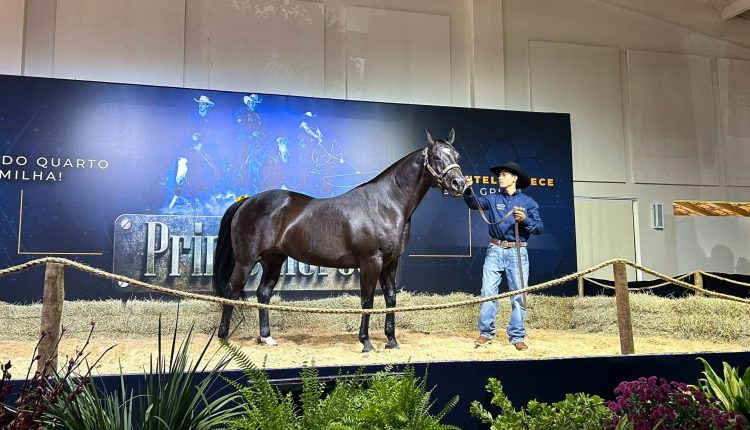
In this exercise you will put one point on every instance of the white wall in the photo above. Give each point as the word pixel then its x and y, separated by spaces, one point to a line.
pixel 666 141
pixel 714 244
pixel 11 37
pixel 658 92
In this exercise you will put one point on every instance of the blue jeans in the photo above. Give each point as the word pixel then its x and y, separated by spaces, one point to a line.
pixel 497 261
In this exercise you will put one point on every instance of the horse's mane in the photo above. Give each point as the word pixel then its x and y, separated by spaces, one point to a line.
pixel 390 170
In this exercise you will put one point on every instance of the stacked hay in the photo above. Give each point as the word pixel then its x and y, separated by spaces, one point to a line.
pixel 135 318
pixel 22 322
pixel 695 318
pixel 543 312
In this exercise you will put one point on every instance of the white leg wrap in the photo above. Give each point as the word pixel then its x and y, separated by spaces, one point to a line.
pixel 267 341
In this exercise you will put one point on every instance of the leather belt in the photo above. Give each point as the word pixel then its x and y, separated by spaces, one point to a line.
pixel 505 243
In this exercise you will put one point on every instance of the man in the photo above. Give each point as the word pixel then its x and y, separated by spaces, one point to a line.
pixel 247 157
pixel 505 208
pixel 199 120
pixel 319 156
pixel 194 174
pixel 248 119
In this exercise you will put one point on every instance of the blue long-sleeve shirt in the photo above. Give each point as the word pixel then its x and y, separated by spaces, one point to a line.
pixel 499 204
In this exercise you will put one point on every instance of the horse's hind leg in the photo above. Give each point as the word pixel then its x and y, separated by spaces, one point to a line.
pixel 369 271
pixel 271 273
pixel 236 285
pixel 388 284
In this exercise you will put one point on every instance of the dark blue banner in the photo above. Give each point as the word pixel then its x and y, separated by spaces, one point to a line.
pixel 133 179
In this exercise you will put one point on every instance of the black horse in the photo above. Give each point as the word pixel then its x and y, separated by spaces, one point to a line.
pixel 365 228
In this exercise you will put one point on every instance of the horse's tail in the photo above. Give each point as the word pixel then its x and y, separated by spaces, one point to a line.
pixel 224 254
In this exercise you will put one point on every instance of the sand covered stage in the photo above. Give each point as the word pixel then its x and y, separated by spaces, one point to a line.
pixel 558 327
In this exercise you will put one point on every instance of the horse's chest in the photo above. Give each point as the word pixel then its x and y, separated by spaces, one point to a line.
pixel 392 241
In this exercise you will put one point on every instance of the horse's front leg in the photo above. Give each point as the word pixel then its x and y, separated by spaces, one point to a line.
pixel 388 284
pixel 369 270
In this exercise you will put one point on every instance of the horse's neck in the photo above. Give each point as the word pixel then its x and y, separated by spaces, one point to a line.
pixel 407 184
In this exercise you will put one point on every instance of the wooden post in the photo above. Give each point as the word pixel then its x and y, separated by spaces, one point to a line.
pixel 623 309
pixel 580 286
pixel 52 306
pixel 698 281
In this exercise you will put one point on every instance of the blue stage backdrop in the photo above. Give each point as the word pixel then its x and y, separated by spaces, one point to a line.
pixel 135 178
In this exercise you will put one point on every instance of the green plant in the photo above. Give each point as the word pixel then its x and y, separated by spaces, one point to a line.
pixel 401 402
pixel 578 411
pixel 385 401
pixel 265 407
pixel 732 391
pixel 172 395
pixel 95 408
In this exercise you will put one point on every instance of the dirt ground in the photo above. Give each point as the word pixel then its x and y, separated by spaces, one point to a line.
pixel 329 349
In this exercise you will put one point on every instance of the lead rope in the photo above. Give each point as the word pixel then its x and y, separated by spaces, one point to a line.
pixel 519 264
pixel 481 211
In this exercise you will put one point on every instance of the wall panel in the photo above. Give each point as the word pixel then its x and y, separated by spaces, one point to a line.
pixel 400 57
pixel 584 81
pixel 734 108
pixel 673 130
pixel 11 36
pixel 138 41
pixel 610 218
pixel 267 46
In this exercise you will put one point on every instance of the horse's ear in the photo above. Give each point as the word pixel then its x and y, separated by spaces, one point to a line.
pixel 430 140
pixel 451 137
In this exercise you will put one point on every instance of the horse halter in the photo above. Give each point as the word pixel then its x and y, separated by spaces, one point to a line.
pixel 435 174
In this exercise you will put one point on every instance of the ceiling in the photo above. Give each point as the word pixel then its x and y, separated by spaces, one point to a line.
pixel 730 9
pixel 699 208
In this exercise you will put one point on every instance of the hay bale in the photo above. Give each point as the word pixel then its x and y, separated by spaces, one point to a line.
pixel 461 318
pixel 20 321
pixel 141 317
pixel 693 318
pixel 548 313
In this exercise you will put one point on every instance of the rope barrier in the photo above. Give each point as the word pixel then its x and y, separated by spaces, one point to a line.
pixel 240 303
pixel 685 284
pixel 651 287
pixel 731 281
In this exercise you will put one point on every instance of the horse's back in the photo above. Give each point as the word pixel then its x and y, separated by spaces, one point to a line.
pixel 269 205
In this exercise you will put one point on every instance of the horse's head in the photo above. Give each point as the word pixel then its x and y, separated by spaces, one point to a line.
pixel 441 161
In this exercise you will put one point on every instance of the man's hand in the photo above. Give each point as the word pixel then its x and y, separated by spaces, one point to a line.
pixel 469 182
pixel 519 215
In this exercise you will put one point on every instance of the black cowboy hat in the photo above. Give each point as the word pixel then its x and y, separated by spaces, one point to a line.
pixel 523 180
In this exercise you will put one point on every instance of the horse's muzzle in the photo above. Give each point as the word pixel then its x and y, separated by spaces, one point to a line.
pixel 456 185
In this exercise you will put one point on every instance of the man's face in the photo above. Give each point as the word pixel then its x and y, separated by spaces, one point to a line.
pixel 505 179
pixel 202 106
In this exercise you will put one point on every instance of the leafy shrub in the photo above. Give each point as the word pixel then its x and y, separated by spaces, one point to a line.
pixel 732 391
pixel 387 401
pixel 650 403
pixel 578 411
pixel 172 397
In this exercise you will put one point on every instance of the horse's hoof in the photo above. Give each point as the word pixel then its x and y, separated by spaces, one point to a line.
pixel 392 345
pixel 223 334
pixel 367 346
pixel 267 341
